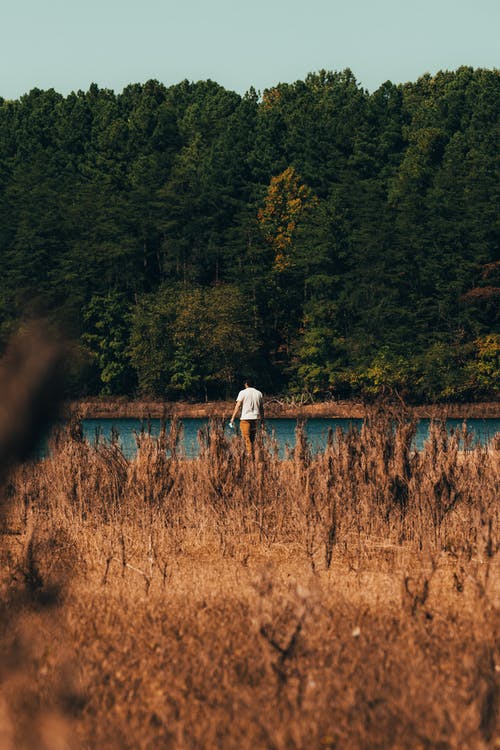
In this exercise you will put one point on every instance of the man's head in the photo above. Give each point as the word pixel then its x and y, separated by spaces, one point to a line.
pixel 248 383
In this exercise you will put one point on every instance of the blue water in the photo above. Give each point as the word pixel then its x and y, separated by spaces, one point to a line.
pixel 482 430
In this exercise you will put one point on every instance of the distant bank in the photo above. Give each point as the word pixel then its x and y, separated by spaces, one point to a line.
pixel 144 409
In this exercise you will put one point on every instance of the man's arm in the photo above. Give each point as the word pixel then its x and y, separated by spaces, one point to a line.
pixel 235 412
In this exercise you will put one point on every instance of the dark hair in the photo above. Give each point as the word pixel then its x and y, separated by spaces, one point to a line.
pixel 248 381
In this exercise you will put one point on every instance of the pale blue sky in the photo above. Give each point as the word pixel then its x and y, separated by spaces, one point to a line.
pixel 68 44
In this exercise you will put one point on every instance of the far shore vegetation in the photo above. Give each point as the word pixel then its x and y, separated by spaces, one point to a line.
pixel 275 407
pixel 320 238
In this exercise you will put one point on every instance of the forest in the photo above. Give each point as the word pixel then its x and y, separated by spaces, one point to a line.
pixel 320 238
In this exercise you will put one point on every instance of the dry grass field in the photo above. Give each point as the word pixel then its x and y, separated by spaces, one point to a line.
pixel 344 600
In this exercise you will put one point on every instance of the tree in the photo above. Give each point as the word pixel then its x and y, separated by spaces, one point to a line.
pixel 191 340
pixel 107 318
pixel 151 346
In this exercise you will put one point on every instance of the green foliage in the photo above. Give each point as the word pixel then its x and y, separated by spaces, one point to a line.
pixel 439 372
pixel 483 370
pixel 107 320
pixel 192 340
pixel 151 349
pixel 328 239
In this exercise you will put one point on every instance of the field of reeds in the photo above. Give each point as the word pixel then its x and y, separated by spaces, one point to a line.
pixel 346 599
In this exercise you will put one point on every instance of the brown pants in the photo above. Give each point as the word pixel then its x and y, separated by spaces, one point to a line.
pixel 248 429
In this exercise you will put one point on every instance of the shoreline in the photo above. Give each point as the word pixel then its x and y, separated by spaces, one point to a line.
pixel 119 408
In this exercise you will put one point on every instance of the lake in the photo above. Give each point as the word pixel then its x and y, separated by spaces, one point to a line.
pixel 316 430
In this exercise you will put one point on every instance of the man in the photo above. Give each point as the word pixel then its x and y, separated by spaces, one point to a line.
pixel 252 409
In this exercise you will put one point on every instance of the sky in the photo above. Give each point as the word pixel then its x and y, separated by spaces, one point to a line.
pixel 69 44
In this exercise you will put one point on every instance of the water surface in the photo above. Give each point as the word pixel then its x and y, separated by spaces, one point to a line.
pixel 316 429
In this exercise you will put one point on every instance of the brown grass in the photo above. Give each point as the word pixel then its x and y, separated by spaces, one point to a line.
pixel 348 599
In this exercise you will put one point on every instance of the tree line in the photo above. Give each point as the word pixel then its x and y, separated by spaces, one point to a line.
pixel 322 238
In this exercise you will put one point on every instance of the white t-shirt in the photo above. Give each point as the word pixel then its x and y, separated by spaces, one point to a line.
pixel 251 400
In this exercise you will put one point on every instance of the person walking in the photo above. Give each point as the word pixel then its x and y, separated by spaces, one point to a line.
pixel 252 411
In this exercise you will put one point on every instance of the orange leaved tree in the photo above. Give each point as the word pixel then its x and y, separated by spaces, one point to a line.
pixel 287 201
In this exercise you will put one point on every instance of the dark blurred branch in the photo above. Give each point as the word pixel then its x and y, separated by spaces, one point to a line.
pixel 30 392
